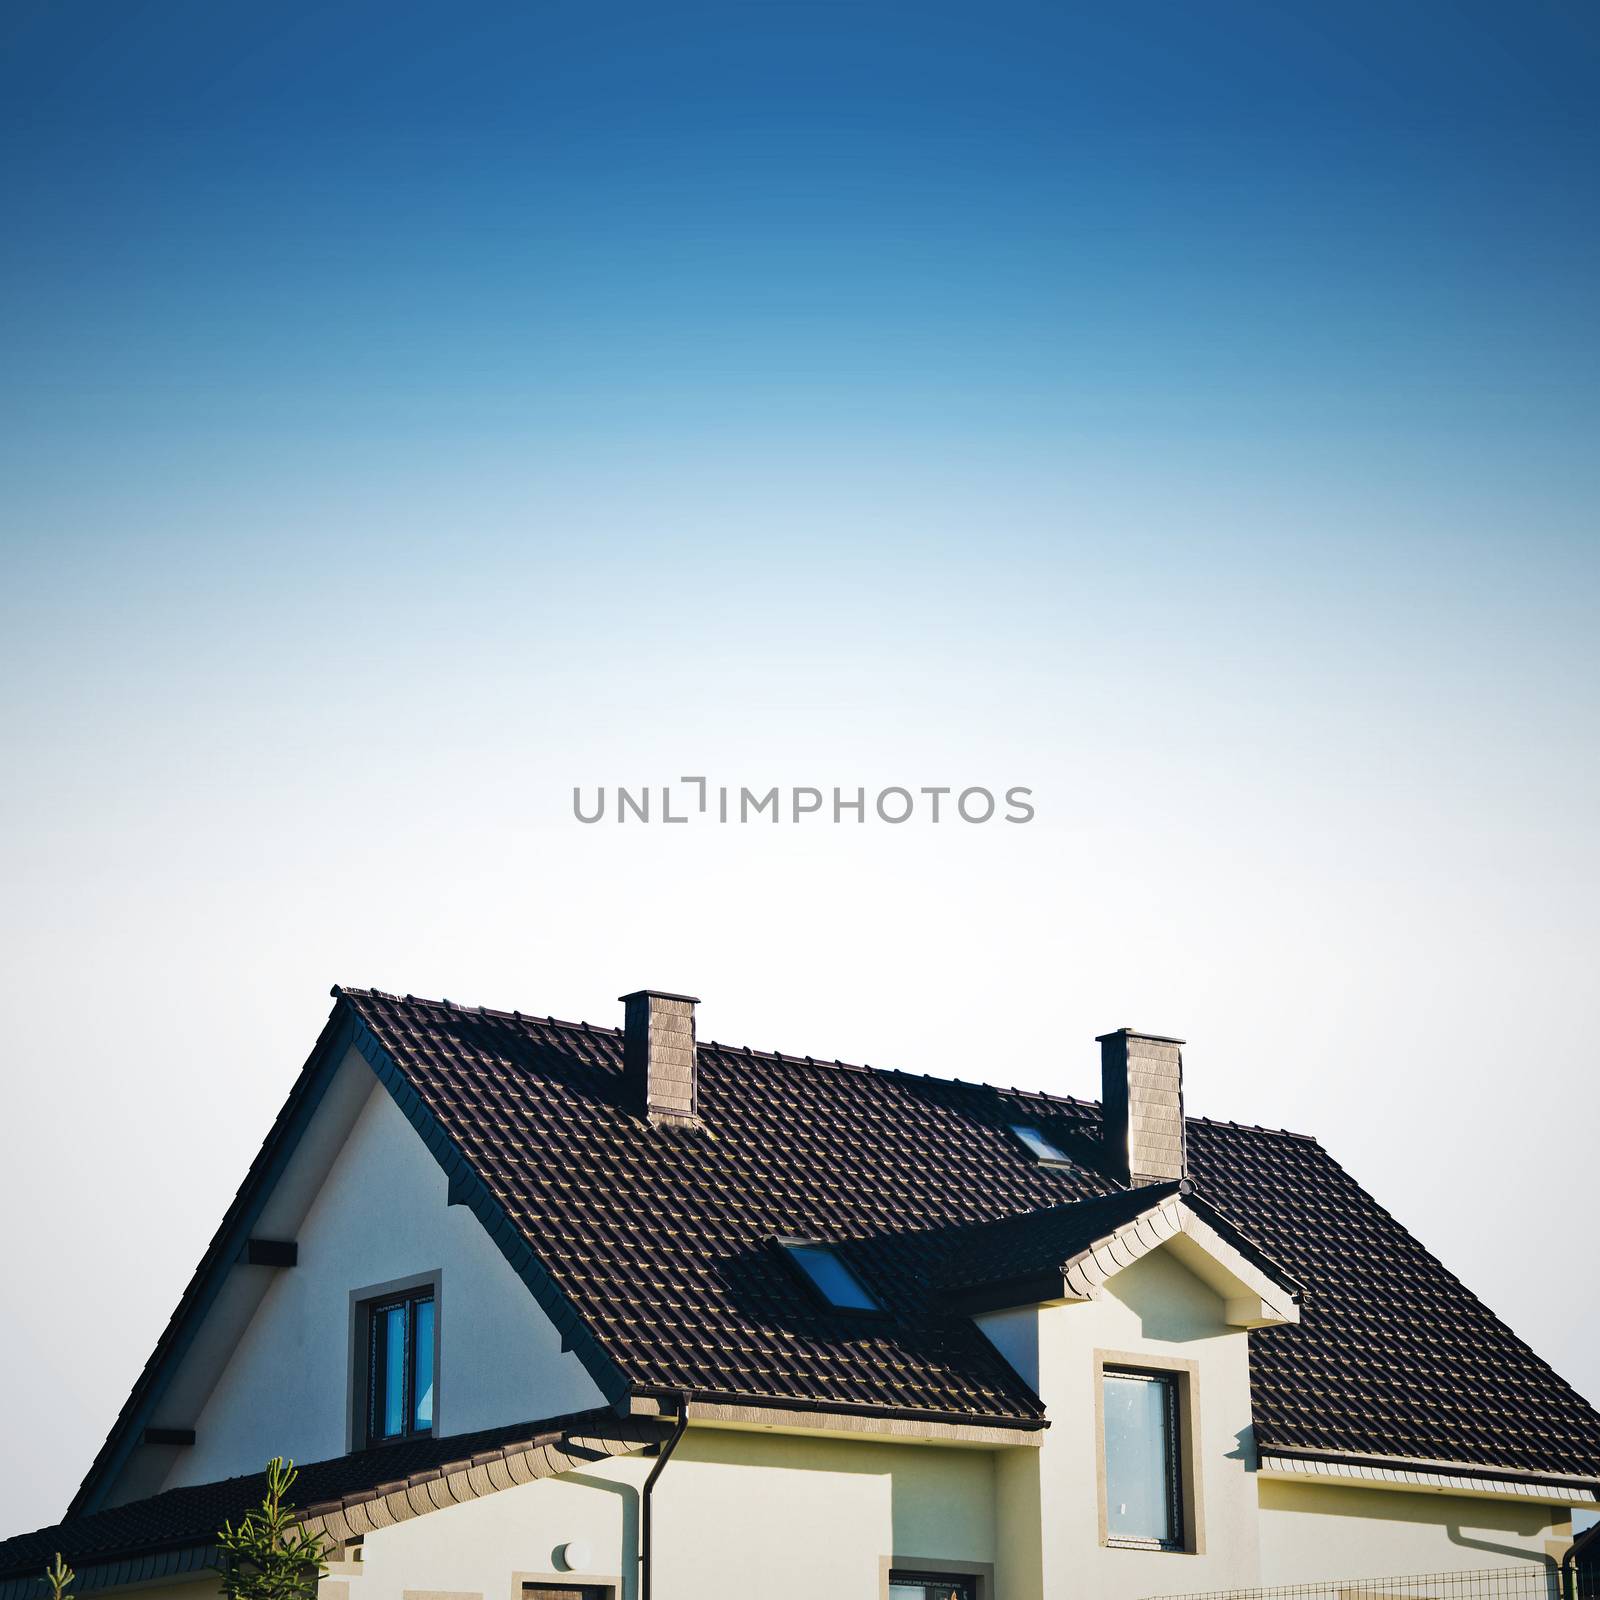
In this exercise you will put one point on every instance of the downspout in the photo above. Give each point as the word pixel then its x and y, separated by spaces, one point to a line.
pixel 645 1493
pixel 1569 1569
pixel 1569 1562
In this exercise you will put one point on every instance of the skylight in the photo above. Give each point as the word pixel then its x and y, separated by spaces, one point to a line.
pixel 1038 1144
pixel 830 1277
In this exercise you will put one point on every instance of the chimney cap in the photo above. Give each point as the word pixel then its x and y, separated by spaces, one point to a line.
pixel 660 994
pixel 1138 1033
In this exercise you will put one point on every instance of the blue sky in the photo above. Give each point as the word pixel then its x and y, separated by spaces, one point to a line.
pixel 409 412
pixel 580 229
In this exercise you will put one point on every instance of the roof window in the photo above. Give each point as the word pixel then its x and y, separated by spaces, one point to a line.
pixel 828 1275
pixel 1039 1146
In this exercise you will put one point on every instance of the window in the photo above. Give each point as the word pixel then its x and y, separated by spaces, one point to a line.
pixel 829 1276
pixel 1143 1496
pixel 931 1586
pixel 1039 1145
pixel 400 1358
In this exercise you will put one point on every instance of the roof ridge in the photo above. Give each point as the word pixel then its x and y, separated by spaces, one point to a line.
pixel 1076 1102
pixel 456 1008
pixel 1253 1127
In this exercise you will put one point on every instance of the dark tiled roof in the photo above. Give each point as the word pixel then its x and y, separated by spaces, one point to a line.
pixel 659 1239
pixel 1393 1355
pixel 192 1516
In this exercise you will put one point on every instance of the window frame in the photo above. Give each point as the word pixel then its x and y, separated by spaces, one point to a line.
pixel 933 1569
pixel 1171 1466
pixel 529 1585
pixel 380 1358
pixel 1186 1493
pixel 910 1578
pixel 364 1303
pixel 787 1244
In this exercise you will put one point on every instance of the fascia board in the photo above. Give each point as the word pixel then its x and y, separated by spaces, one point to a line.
pixel 1454 1478
pixel 1253 1296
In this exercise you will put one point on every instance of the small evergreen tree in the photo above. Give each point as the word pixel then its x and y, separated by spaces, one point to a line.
pixel 269 1556
pixel 60 1577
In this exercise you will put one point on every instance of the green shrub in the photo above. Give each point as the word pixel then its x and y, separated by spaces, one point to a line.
pixel 269 1556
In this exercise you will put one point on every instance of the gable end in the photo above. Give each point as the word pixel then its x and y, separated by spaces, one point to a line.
pixel 230 1245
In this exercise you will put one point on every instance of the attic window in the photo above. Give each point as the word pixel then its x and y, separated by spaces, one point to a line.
pixel 1040 1146
pixel 400 1337
pixel 829 1276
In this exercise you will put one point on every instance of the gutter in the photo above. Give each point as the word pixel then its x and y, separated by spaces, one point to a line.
pixel 645 1540
pixel 841 1408
pixel 178 1560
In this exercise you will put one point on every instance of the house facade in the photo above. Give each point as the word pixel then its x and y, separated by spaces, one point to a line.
pixel 547 1309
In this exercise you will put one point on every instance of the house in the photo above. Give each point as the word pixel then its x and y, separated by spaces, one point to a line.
pixel 547 1309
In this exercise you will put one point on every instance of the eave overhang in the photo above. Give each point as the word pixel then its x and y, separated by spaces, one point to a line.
pixel 785 1414
pixel 547 1451
pixel 1290 1462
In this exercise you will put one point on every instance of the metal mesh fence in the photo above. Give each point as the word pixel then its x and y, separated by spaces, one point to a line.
pixel 1528 1582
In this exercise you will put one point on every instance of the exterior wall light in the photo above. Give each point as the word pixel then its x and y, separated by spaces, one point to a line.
pixel 572 1556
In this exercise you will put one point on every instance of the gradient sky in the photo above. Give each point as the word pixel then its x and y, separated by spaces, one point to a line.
pixel 410 412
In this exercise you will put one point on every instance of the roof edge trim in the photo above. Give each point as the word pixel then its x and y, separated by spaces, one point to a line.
pixel 548 1449
pixel 175 1561
pixel 719 1399
pixel 544 1456
pixel 1427 1474
pixel 1256 1293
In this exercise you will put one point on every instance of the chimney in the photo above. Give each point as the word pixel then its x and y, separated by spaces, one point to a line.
pixel 658 1060
pixel 1141 1093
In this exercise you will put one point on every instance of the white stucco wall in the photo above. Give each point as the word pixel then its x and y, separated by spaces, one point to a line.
pixel 742 1515
pixel 379 1215
pixel 796 1517
pixel 738 1516
pixel 486 1547
pixel 1155 1308
pixel 1317 1531
pixel 1257 1531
